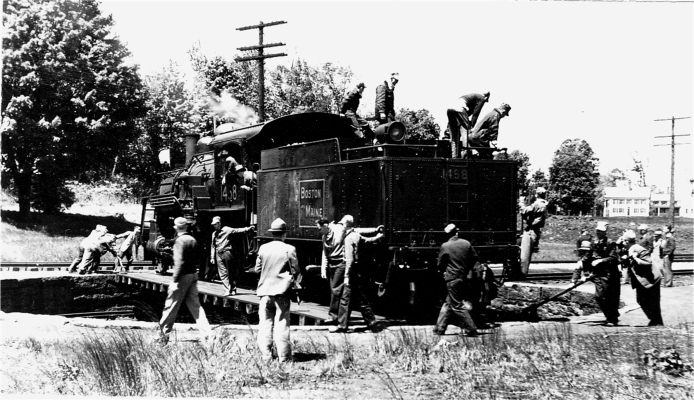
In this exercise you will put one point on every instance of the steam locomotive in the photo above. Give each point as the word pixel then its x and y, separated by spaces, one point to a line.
pixel 312 166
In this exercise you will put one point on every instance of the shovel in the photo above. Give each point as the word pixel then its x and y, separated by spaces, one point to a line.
pixel 531 311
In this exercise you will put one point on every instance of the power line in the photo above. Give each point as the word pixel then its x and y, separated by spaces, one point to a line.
pixel 672 166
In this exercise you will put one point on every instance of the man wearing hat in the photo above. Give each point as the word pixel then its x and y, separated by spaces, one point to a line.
pixel 486 131
pixel 534 217
pixel 184 287
pixel 126 249
pixel 470 108
pixel 221 254
pixel 645 279
pixel 583 266
pixel 279 269
pixel 385 100
pixel 646 240
pixel 354 282
pixel 605 272
pixel 349 108
pixel 88 242
pixel 669 246
pixel 457 259
pixel 657 253
pixel 624 243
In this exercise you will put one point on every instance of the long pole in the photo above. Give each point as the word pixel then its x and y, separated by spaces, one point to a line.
pixel 260 57
pixel 671 211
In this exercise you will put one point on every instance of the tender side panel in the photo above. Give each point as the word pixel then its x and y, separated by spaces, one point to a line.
pixel 300 196
pixel 417 196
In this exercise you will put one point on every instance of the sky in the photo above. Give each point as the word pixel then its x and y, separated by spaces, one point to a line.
pixel 597 71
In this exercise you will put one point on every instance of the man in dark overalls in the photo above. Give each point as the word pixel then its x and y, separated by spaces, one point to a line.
pixel 605 271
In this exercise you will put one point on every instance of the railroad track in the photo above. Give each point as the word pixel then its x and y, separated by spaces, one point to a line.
pixel 64 266
pixel 678 258
pixel 563 275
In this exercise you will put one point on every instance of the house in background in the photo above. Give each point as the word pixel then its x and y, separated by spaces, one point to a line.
pixel 622 202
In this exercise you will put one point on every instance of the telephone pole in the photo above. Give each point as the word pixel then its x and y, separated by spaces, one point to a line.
pixel 261 60
pixel 672 165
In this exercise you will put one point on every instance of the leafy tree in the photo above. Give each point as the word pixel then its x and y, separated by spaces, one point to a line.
pixel 420 124
pixel 574 177
pixel 69 98
pixel 302 88
pixel 219 80
pixel 523 168
pixel 172 112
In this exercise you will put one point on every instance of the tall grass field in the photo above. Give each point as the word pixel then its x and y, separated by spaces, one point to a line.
pixel 548 363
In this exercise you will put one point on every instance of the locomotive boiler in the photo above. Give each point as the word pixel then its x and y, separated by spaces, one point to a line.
pixel 312 166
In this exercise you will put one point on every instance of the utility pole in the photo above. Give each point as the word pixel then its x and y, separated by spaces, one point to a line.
pixel 261 60
pixel 672 165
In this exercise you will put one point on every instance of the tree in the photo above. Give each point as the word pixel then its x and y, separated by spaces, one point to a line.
pixel 172 112
pixel 69 98
pixel 574 177
pixel 219 81
pixel 420 124
pixel 302 88
pixel 523 168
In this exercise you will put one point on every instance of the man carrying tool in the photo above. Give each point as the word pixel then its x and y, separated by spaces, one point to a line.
pixel 221 254
pixel 126 250
pixel 348 109
pixel 602 267
pixel 534 217
pixel 456 260
pixel 465 118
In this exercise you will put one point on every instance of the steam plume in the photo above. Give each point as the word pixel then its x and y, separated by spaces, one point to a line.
pixel 229 109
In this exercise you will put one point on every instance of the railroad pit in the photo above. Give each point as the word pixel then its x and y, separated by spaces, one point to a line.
pixel 102 295
pixel 97 295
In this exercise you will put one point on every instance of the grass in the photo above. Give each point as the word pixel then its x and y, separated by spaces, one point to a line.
pixel 548 363
pixel 57 237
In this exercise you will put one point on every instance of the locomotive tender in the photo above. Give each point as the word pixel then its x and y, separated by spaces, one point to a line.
pixel 312 166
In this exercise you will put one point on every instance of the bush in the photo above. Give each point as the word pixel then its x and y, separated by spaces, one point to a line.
pixel 114 191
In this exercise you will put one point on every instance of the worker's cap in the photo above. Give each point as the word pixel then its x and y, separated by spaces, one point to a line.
pixel 347 220
pixel 643 227
pixel 137 229
pixel 667 228
pixel 602 226
pixel 629 235
pixel 180 223
pixel 450 228
pixel 278 225
pixel 216 220
pixel 585 245
pixel 101 228
pixel 540 190
pixel 506 107
pixel 240 168
pixel 322 221
pixel 231 160
pixel 658 232
pixel 361 85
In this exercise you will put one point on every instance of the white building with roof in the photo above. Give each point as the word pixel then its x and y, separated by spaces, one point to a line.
pixel 622 202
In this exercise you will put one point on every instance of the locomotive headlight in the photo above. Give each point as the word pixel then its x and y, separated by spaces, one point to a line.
pixel 392 132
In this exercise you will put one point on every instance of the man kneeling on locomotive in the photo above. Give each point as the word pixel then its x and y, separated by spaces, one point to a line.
pixel 456 260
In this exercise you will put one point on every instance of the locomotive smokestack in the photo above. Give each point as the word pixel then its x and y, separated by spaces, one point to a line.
pixel 191 142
